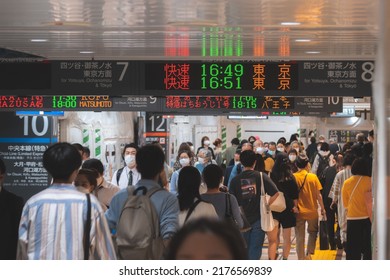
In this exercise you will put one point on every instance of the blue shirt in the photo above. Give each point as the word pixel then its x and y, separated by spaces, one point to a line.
pixel 166 204
pixel 52 226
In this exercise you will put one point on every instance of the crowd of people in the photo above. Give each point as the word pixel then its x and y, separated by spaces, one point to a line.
pixel 206 205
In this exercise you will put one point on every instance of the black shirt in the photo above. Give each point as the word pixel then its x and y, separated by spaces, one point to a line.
pixel 246 187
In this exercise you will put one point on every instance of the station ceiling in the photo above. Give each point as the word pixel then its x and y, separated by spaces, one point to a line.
pixel 191 29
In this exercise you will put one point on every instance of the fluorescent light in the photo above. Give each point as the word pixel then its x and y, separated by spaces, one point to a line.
pixel 86 52
pixel 38 40
pixel 290 23
pixel 313 52
pixel 303 40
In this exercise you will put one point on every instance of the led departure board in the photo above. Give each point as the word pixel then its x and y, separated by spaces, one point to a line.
pixel 254 77
pixel 208 78
pixel 173 104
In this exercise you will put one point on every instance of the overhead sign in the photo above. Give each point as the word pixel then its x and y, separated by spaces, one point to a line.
pixel 344 136
pixel 161 78
pixel 23 141
pixel 80 103
pixel 173 104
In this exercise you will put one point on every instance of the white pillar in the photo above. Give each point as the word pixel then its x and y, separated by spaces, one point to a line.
pixel 381 96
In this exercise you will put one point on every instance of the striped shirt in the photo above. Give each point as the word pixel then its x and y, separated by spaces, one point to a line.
pixel 52 226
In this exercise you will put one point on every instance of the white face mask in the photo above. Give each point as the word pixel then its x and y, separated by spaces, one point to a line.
pixel 260 150
pixel 281 149
pixel 207 142
pixel 201 160
pixel 184 161
pixel 130 160
pixel 292 158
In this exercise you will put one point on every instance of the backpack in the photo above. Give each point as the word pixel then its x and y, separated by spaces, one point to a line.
pixel 118 175
pixel 323 164
pixel 138 230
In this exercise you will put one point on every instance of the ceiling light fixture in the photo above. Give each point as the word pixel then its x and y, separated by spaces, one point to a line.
pixel 290 23
pixel 302 40
pixel 38 40
pixel 313 52
pixel 86 52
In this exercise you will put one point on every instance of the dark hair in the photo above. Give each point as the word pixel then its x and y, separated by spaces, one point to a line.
pixel 271 143
pixel 371 133
pixel 94 163
pixel 348 158
pixel 79 147
pixel 324 147
pixel 282 140
pixel 312 139
pixel 184 146
pixel 281 170
pixel 217 142
pixel 260 164
pixel 243 141
pixel 235 141
pixel 292 151
pixel 247 158
pixel 230 236
pixel 212 175
pixel 61 160
pixel 360 137
pixel 3 169
pixel 189 154
pixel 204 139
pixel 301 161
pixel 360 167
pixel 251 138
pixel 90 174
pixel 150 161
pixel 190 144
pixel 131 145
pixel 188 185
pixel 294 137
pixel 87 151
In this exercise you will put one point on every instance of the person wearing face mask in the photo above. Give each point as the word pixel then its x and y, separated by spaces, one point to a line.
pixel 321 161
pixel 280 147
pixel 206 145
pixel 184 158
pixel 270 155
pixel 128 175
pixel 292 157
pixel 204 159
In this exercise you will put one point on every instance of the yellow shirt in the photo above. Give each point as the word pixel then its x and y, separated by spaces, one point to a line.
pixel 307 200
pixel 356 204
pixel 269 164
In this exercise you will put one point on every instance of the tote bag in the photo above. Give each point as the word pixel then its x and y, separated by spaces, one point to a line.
pixel 279 204
pixel 267 220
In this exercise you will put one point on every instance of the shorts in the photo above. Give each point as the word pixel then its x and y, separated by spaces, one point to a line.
pixel 287 219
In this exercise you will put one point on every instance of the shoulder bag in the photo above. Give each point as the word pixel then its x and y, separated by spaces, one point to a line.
pixel 267 220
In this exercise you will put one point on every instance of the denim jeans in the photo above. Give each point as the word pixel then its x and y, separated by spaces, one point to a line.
pixel 254 240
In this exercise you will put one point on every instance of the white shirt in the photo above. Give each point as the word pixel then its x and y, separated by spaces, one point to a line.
pixel 124 178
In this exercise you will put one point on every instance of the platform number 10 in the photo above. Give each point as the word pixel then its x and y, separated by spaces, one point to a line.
pixel 368 71
pixel 34 127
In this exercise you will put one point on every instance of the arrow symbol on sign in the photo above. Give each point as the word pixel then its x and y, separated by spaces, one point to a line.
pixel 152 99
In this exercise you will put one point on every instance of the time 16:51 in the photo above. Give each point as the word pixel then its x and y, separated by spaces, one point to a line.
pixel 222 76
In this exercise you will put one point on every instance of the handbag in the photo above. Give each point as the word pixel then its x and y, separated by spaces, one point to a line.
pixel 279 204
pixel 324 241
pixel 267 220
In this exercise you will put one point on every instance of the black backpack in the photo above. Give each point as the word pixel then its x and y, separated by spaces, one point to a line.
pixel 323 165
pixel 118 175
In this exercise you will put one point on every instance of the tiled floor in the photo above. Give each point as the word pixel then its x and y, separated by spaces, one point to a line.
pixel 319 254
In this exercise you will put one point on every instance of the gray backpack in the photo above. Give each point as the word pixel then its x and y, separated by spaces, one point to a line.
pixel 138 230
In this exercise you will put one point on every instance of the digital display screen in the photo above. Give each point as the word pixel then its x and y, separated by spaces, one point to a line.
pixel 256 76
pixel 27 75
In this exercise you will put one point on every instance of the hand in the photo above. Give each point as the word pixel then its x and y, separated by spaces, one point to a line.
pixel 295 210
pixel 323 213
pixel 333 205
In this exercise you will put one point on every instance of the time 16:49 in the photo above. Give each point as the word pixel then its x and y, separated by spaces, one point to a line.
pixel 222 76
